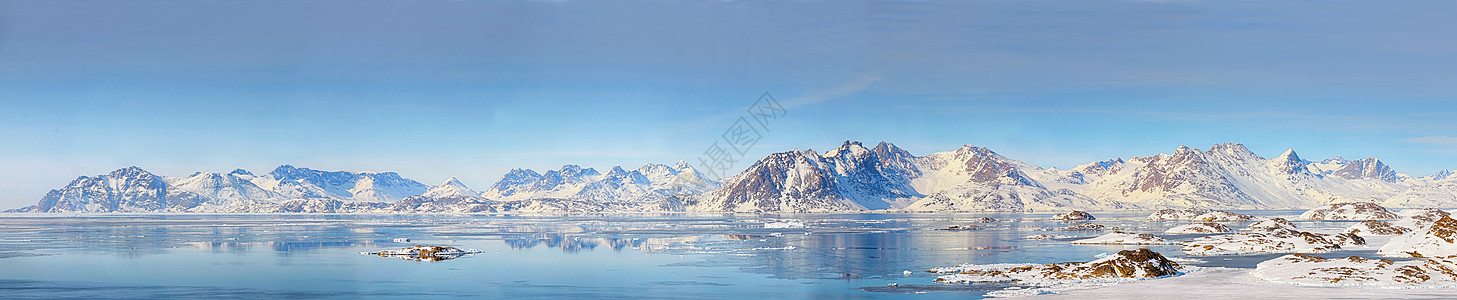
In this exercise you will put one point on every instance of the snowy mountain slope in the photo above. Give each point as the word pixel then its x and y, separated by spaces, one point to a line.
pixel 977 179
pixel 848 178
pixel 129 189
pixel 220 189
pixel 295 183
pixel 451 188
pixel 1229 176
pixel 853 178
pixel 650 182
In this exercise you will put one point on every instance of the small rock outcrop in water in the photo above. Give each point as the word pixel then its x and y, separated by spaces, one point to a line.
pixel 1141 263
pixel 1301 269
pixel 1080 227
pixel 1075 215
pixel 1440 239
pixel 1199 228
pixel 426 253
pixel 960 227
pixel 1350 211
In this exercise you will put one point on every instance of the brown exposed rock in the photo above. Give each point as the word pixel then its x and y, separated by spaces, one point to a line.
pixel 1374 227
pixel 1074 216
pixel 1350 211
pixel 1141 263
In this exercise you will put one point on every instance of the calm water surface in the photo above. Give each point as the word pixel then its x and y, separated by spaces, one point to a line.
pixel 600 257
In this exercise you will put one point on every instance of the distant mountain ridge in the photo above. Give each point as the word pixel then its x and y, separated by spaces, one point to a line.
pixel 849 178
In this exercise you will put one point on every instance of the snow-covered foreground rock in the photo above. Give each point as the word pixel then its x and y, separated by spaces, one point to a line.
pixel 1124 238
pixel 1414 218
pixel 1301 269
pixel 1197 215
pixel 1350 211
pixel 1126 264
pixel 1270 224
pixel 1374 227
pixel 1176 214
pixel 1199 228
pixel 1270 241
pixel 1439 239
pixel 1227 283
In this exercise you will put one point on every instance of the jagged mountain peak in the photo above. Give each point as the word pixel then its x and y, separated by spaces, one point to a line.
pixel 575 171
pixel 1100 167
pixel 849 148
pixel 521 173
pixel 241 172
pixel 884 149
pixel 1232 151
pixel 1289 155
pixel 450 188
pixel 452 181
pixel 132 171
pixel 1443 174
pixel 1290 163
pixel 1366 168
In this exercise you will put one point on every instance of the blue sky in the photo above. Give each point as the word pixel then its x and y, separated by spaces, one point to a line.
pixel 434 89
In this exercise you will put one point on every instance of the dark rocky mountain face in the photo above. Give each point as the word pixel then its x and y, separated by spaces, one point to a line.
pixel 126 190
pixel 1366 168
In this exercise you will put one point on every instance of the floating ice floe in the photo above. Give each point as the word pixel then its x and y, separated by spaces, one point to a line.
pixel 1199 228
pixel 1439 239
pixel 1350 211
pixel 1124 238
pixel 402 240
pixel 1126 264
pixel 425 253
pixel 1073 216
pixel 1301 269
pixel 784 224
pixel 1274 240
pixel 1374 227
pixel 984 220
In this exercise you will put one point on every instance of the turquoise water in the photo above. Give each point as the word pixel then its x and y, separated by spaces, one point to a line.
pixel 597 257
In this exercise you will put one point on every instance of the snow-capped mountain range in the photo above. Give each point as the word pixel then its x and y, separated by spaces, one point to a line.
pixel 846 179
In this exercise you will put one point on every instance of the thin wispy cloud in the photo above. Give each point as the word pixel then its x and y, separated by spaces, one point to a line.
pixel 1449 141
